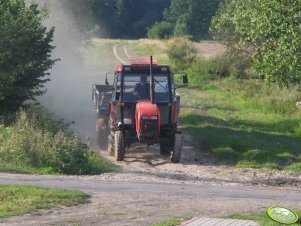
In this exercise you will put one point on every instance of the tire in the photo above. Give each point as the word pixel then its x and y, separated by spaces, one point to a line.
pixel 102 133
pixel 119 146
pixel 111 138
pixel 177 148
pixel 165 149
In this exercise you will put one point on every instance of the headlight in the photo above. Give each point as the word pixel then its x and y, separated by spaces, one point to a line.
pixel 154 117
pixel 144 117
pixel 127 121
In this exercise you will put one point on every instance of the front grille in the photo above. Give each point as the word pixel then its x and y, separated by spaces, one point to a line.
pixel 149 128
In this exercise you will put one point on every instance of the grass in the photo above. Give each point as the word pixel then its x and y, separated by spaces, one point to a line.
pixel 170 222
pixel 261 218
pixel 20 199
pixel 147 47
pixel 243 130
pixel 36 143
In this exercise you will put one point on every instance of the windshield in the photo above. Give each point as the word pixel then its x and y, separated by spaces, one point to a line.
pixel 137 87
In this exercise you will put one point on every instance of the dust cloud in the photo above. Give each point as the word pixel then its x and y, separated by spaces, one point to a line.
pixel 68 93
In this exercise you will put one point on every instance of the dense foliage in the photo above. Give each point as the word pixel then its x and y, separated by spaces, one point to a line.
pixel 161 30
pixel 24 53
pixel 267 30
pixel 118 18
pixel 37 143
pixel 191 17
pixel 136 18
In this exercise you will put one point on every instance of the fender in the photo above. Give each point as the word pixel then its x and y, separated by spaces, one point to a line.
pixel 112 113
pixel 176 110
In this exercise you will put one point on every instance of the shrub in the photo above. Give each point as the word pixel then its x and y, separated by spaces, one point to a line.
pixel 181 53
pixel 204 69
pixel 240 65
pixel 161 30
pixel 38 142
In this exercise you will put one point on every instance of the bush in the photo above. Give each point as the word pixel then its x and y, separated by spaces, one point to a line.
pixel 39 143
pixel 181 53
pixel 162 30
pixel 204 69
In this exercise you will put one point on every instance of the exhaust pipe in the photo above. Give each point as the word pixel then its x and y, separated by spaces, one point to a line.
pixel 152 85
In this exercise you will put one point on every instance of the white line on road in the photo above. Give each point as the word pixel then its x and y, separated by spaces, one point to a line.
pixel 126 51
pixel 117 56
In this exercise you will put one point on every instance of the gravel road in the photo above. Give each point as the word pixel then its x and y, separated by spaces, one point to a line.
pixel 131 202
pixel 150 189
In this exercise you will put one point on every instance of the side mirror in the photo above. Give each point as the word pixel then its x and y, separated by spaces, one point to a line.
pixel 185 79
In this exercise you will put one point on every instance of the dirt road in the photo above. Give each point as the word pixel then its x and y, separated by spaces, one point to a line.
pixel 137 203
pixel 150 188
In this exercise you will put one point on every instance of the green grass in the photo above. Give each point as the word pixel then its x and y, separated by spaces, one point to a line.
pixel 170 222
pixel 244 127
pixel 146 47
pixel 261 218
pixel 20 199
pixel 36 143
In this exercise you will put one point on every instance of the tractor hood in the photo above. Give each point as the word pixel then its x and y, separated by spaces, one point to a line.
pixel 147 117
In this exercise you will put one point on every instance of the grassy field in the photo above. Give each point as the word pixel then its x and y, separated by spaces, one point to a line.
pixel 20 199
pixel 147 47
pixel 240 130
pixel 240 122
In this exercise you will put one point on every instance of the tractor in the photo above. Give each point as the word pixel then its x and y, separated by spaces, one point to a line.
pixel 141 106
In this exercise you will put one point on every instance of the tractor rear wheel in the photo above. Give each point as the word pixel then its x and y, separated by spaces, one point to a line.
pixel 102 133
pixel 111 138
pixel 119 145
pixel 177 148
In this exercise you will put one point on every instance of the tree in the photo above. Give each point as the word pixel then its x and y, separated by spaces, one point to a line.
pixel 120 18
pixel 161 30
pixel 24 53
pixel 191 17
pixel 269 31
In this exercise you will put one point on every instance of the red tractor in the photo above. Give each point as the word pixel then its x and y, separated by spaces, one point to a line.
pixel 140 107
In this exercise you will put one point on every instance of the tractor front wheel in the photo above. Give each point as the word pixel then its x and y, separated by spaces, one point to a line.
pixel 177 148
pixel 119 145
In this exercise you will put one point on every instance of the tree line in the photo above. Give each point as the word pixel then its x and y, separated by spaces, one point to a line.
pixel 266 32
pixel 139 18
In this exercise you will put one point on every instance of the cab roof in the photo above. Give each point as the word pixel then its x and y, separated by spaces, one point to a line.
pixel 141 64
